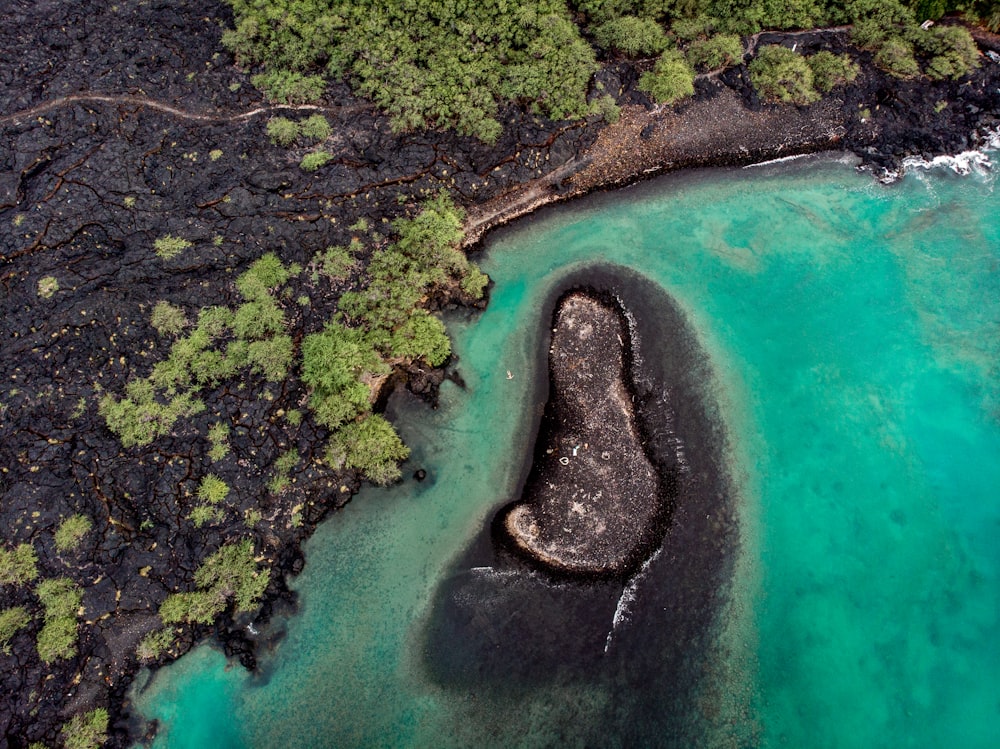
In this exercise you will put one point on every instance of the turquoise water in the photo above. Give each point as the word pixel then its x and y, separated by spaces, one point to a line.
pixel 853 332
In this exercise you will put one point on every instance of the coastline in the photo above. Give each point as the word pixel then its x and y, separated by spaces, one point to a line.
pixel 719 127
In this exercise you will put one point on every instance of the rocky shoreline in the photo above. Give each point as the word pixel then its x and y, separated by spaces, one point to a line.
pixel 121 124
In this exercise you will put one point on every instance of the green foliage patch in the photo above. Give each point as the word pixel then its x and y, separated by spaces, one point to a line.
pixel 168 319
pixel 71 531
pixel 11 620
pixel 61 598
pixel 155 644
pixel 313 161
pixel 781 74
pixel 18 565
pixel 830 70
pixel 230 574
pixel 670 80
pixel 86 730
pixel 169 246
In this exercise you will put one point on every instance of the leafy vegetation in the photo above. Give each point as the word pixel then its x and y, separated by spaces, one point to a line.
pixel 86 730
pixel 313 161
pixel 670 80
pixel 71 531
pixel 169 246
pixel 47 286
pixel 168 319
pixel 632 36
pixel 719 51
pixel 255 339
pixel 427 64
pixel 372 446
pixel 18 565
pixel 155 644
pixel 230 574
pixel 218 437
pixel 61 599
pixel 11 620
pixel 830 70
pixel 781 74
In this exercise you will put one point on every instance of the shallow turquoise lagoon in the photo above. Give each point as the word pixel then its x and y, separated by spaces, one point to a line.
pixel 853 332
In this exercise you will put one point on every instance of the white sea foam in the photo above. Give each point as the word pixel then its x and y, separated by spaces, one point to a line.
pixel 778 160
pixel 627 598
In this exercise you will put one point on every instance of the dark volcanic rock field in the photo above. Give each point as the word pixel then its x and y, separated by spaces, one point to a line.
pixel 122 123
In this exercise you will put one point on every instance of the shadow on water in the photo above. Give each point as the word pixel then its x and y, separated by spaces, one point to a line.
pixel 499 628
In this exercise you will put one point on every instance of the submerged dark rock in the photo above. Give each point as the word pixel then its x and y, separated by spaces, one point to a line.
pixel 593 499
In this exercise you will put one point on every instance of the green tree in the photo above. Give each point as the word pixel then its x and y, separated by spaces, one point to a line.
pixel 781 74
pixel 631 36
pixel 670 80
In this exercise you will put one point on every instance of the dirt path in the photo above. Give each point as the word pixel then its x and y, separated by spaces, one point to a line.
pixel 143 101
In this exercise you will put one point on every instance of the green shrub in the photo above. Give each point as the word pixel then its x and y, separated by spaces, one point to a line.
pixel 315 127
pixel 781 74
pixel 372 446
pixel 282 469
pixel 282 131
pixel 168 319
pixel 422 337
pixel 336 263
pixel 830 70
pixel 218 436
pixel 313 161
pixel 289 87
pixel 11 620
pixel 61 599
pixel 18 565
pixel 139 418
pixel 953 51
pixel 607 108
pixel 896 58
pixel 254 321
pixel 169 246
pixel 474 283
pixel 196 607
pixel 271 357
pixel 266 273
pixel 86 730
pixel 155 644
pixel 71 531
pixel 204 514
pixel 719 51
pixel 212 489
pixel 631 36
pixel 670 80
pixel 47 286
pixel 229 574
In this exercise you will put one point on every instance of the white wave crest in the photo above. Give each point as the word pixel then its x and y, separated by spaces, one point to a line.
pixel 627 598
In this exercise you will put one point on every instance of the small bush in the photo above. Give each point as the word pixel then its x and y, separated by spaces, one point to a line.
pixel 86 730
pixel 11 620
pixel 155 644
pixel 289 87
pixel 169 246
pixel 196 607
pixel 205 514
pixel 719 51
pixel 830 70
pixel 266 273
pixel 781 74
pixel 168 319
pixel 896 58
pixel 315 127
pixel 954 52
pixel 61 599
pixel 71 531
pixel 272 357
pixel 313 161
pixel 47 287
pixel 671 79
pixel 372 446
pixel 218 436
pixel 282 131
pixel 336 263
pixel 607 108
pixel 631 36
pixel 422 336
pixel 212 489
pixel 18 565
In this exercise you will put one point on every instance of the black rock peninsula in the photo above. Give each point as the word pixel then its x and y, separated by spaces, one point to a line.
pixel 594 497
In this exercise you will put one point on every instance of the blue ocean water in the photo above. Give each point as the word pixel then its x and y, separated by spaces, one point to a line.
pixel 852 332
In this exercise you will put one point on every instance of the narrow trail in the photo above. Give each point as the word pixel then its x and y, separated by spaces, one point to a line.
pixel 144 101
